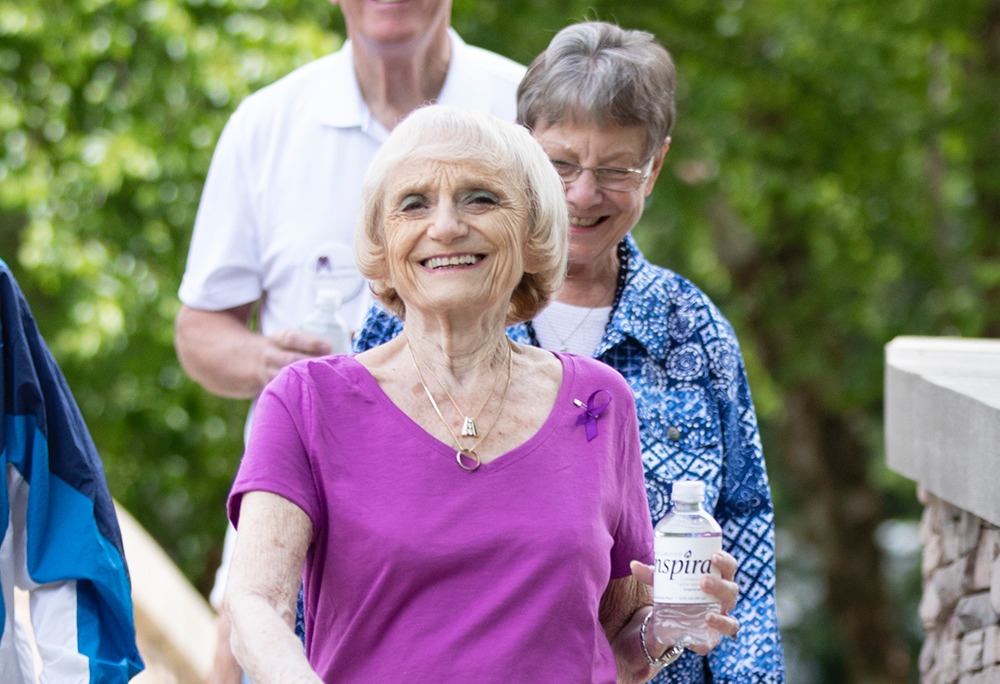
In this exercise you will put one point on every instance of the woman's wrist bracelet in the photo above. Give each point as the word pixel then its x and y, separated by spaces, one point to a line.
pixel 671 654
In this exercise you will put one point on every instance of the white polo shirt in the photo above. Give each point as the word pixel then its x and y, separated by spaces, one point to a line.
pixel 279 206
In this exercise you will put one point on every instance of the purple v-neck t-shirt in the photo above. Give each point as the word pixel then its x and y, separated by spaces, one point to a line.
pixel 419 571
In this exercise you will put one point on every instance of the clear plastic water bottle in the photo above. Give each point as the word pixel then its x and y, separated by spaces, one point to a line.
pixel 684 542
pixel 325 321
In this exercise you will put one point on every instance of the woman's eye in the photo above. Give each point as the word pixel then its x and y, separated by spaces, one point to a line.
pixel 564 168
pixel 481 197
pixel 613 173
pixel 412 203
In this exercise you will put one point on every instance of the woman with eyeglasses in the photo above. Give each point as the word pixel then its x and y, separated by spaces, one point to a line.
pixel 600 101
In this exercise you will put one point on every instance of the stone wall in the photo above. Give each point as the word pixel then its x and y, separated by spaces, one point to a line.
pixel 960 608
pixel 942 429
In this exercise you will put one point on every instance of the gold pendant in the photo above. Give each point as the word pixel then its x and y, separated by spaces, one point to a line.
pixel 469 427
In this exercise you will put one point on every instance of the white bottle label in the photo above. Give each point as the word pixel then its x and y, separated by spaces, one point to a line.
pixel 680 564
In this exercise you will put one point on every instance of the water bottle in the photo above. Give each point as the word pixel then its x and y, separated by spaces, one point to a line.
pixel 325 321
pixel 684 542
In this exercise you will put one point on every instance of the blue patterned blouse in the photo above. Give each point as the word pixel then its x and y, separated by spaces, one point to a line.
pixel 697 421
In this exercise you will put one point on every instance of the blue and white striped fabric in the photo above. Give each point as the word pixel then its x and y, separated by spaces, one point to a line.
pixel 61 540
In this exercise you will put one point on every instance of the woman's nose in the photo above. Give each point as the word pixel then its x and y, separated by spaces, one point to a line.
pixel 447 224
pixel 584 191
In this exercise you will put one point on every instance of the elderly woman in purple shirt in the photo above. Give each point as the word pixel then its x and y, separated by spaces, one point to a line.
pixel 457 506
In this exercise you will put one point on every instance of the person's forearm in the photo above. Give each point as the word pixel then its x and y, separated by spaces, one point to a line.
pixel 624 606
pixel 265 644
pixel 263 585
pixel 629 656
pixel 219 352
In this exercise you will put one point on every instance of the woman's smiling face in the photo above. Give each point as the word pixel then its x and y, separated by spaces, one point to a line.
pixel 600 218
pixel 453 235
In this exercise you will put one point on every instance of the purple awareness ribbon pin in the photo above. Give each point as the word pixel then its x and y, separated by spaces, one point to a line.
pixel 592 411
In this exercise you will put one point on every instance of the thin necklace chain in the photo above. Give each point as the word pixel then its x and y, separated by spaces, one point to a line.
pixel 564 344
pixel 623 264
pixel 466 454
pixel 469 428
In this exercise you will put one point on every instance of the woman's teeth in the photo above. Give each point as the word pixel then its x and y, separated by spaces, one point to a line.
pixel 439 262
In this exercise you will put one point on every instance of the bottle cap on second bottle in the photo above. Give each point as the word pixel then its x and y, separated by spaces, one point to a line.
pixel 690 491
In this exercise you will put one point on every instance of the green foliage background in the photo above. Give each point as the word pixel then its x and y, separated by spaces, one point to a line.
pixel 834 182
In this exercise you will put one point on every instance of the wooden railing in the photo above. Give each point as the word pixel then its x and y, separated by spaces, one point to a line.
pixel 175 628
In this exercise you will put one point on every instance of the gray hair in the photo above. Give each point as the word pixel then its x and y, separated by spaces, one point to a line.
pixel 458 136
pixel 597 72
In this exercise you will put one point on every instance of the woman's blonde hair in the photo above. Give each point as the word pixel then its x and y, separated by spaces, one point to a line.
pixel 454 136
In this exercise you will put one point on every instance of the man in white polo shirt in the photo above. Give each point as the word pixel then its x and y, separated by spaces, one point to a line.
pixel 277 213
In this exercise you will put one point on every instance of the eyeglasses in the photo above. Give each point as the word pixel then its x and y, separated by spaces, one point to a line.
pixel 607 177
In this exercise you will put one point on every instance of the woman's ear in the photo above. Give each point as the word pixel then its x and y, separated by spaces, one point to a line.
pixel 530 260
pixel 654 171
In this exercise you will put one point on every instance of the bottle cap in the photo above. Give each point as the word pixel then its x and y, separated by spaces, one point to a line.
pixel 689 491
pixel 328 299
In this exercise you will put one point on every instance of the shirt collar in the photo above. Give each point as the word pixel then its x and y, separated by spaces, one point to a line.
pixel 464 85
pixel 643 302
pixel 341 105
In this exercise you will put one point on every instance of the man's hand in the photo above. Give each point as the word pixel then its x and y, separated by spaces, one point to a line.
pixel 219 351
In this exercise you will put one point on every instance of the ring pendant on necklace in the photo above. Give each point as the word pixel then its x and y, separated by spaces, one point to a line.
pixel 465 454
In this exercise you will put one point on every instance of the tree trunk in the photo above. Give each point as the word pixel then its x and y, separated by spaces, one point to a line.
pixel 821 455
pixel 984 80
pixel 841 510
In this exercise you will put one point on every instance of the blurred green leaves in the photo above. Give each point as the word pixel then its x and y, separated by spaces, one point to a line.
pixel 109 112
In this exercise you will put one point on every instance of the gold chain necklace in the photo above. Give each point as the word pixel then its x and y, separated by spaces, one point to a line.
pixel 466 454
pixel 469 428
